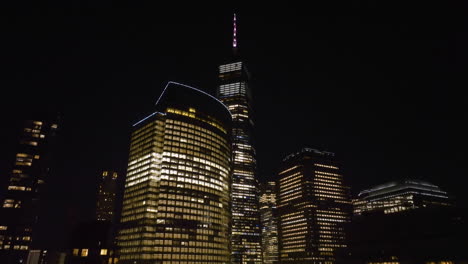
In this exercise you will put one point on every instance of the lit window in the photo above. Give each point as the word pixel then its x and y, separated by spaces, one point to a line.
pixel 76 251
pixel 103 252
pixel 84 252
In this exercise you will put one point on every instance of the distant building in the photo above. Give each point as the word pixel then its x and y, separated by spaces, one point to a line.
pixel 408 221
pixel 176 205
pixel 399 196
pixel 313 206
pixel 269 220
pixel 21 206
pixel 105 207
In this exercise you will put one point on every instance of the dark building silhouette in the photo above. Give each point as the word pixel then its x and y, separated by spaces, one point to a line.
pixel 93 242
pixel 106 197
pixel 21 203
pixel 314 208
pixel 90 243
pixel 408 221
pixel 176 205
pixel 269 220
pixel 234 91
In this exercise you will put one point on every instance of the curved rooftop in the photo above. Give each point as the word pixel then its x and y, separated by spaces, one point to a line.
pixel 185 96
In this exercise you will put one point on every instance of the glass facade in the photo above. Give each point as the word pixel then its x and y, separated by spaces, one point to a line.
pixel 176 206
pixel 313 207
pixel 20 207
pixel 269 219
pixel 234 92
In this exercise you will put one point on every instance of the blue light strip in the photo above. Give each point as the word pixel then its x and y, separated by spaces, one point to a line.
pixel 176 83
pixel 148 117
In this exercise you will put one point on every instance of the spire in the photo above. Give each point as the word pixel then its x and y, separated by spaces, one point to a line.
pixel 234 34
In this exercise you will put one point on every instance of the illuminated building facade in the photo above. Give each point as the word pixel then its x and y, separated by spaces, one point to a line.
pixel 234 92
pixel 399 196
pixel 21 205
pixel 313 208
pixel 105 206
pixel 269 220
pixel 176 205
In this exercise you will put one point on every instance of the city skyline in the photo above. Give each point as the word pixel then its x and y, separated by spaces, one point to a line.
pixel 395 119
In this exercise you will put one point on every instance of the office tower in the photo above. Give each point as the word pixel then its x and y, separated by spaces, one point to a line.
pixel 313 207
pixel 399 196
pixel 269 220
pixel 176 205
pixel 21 204
pixel 105 206
pixel 234 92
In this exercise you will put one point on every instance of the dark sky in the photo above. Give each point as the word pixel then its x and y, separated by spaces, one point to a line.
pixel 381 84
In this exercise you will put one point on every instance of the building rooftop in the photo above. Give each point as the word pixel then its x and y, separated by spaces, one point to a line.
pixel 418 186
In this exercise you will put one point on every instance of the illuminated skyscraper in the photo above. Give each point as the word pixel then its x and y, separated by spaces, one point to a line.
pixel 313 206
pixel 21 206
pixel 105 206
pixel 176 199
pixel 234 92
pixel 269 219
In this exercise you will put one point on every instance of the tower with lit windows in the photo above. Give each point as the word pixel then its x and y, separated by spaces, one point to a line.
pixel 313 206
pixel 176 205
pixel 22 201
pixel 269 220
pixel 234 91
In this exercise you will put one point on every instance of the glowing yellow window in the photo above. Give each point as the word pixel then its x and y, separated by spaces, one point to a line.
pixel 103 252
pixel 84 252
pixel 75 251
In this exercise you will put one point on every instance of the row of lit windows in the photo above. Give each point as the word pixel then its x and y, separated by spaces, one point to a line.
pixel 203 159
pixel 291 184
pixel 207 258
pixel 174 246
pixel 195 145
pixel 211 122
pixel 84 252
pixel 16 247
pixel 236 66
pixel 194 163
pixel 289 169
pixel 325 166
pixel 213 137
pixel 204 218
pixel 194 137
pixel 327 190
pixel 333 186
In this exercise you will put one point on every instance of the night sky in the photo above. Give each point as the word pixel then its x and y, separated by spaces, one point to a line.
pixel 380 84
